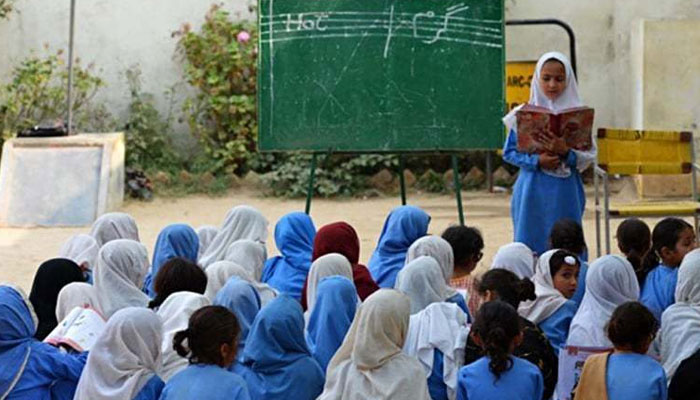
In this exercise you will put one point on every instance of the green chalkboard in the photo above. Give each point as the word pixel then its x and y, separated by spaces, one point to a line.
pixel 380 75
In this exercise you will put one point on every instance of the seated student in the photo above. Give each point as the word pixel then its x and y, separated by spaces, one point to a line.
pixel 49 279
pixel 341 238
pixel 276 362
pixel 206 234
pixel 436 337
pixel 329 265
pixel 685 384
pixel 504 285
pixel 177 275
pixel 610 283
pixel 123 361
pixel 241 222
pixel 81 249
pixel 221 271
pixel 175 313
pixel 402 227
pixel 30 369
pixel 679 337
pixel 113 226
pixel 210 344
pixel 634 241
pixel 243 301
pixel 176 240
pixel 627 372
pixel 441 250
pixel 555 284
pixel 671 239
pixel 567 234
pixel 76 294
pixel 499 374
pixel 422 281
pixel 370 364
pixel 329 321
pixel 294 238
pixel 516 258
pixel 467 245
pixel 251 256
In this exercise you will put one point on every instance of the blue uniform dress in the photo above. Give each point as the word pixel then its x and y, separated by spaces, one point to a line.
pixel 277 363
pixel 402 227
pixel 539 200
pixel 556 326
pixel 658 292
pixel 241 298
pixel 205 381
pixel 522 382
pixel 176 240
pixel 151 390
pixel 294 237
pixel 331 317
pixel 635 377
pixel 581 283
pixel 436 380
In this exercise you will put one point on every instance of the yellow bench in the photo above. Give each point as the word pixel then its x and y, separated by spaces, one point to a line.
pixel 636 152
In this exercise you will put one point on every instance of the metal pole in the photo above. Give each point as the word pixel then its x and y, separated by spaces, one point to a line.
pixel 489 172
pixel 310 190
pixel 402 181
pixel 458 188
pixel 70 67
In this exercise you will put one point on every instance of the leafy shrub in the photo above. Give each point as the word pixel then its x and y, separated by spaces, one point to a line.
pixel 220 62
pixel 432 182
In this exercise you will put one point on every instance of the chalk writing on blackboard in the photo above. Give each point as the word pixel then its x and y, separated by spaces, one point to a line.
pixel 428 27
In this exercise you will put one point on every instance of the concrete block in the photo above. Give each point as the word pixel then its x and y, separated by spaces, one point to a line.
pixel 61 181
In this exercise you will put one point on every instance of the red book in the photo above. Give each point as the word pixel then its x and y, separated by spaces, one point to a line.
pixel 573 124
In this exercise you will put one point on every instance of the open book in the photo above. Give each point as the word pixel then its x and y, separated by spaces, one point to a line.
pixel 573 124
pixel 79 330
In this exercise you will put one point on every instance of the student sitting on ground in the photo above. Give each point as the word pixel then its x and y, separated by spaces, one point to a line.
pixel 634 241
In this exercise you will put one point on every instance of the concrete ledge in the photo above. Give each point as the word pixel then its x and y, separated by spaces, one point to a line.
pixel 61 181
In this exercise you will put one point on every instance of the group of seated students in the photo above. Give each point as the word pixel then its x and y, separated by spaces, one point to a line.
pixel 212 317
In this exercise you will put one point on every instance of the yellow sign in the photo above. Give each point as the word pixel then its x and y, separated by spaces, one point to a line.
pixel 519 75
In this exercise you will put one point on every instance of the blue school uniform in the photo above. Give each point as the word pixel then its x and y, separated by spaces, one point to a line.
pixel 402 227
pixel 635 376
pixel 556 326
pixel 659 289
pixel 277 363
pixel 241 298
pixel 294 237
pixel 539 200
pixel 581 283
pixel 205 381
pixel 176 240
pixel 436 380
pixel 151 390
pixel 522 382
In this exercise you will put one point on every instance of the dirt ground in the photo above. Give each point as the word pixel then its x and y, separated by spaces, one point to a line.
pixel 22 250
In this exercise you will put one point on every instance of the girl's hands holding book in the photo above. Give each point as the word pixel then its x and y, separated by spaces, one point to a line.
pixel 548 160
pixel 554 144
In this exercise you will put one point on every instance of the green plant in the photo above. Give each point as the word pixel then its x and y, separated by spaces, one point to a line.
pixel 432 182
pixel 220 62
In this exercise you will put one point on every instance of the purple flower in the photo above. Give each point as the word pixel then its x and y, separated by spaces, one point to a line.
pixel 243 37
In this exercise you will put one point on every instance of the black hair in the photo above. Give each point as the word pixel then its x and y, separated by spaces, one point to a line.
pixel 466 242
pixel 634 239
pixel 567 234
pixel 666 234
pixel 558 260
pixel 208 328
pixel 507 286
pixel 177 275
pixel 497 324
pixel 631 326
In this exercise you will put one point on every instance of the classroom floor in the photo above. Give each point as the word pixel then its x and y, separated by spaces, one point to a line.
pixel 22 250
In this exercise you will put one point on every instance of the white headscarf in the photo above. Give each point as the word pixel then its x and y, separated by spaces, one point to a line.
pixel 610 282
pixel 122 265
pixel 76 294
pixel 206 234
pixel 441 326
pixel 422 281
pixel 679 337
pixel 242 222
pixel 113 226
pixel 516 258
pixel 124 358
pixel 549 299
pixel 81 249
pixel 176 311
pixel 248 254
pixel 569 98
pixel 370 364
pixel 439 249
pixel 219 273
pixel 327 265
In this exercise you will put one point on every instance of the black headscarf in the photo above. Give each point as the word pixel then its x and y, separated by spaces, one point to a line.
pixel 50 278
pixel 686 383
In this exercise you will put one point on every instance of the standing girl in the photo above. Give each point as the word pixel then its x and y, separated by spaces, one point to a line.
pixel 549 186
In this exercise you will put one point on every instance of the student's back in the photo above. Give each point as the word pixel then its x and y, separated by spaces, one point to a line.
pixel 205 381
pixel 522 382
pixel 634 376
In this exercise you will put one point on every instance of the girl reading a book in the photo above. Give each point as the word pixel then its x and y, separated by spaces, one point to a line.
pixel 549 186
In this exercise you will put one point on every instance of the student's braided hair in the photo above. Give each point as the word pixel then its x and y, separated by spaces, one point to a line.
pixel 496 325
pixel 208 328
pixel 507 286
